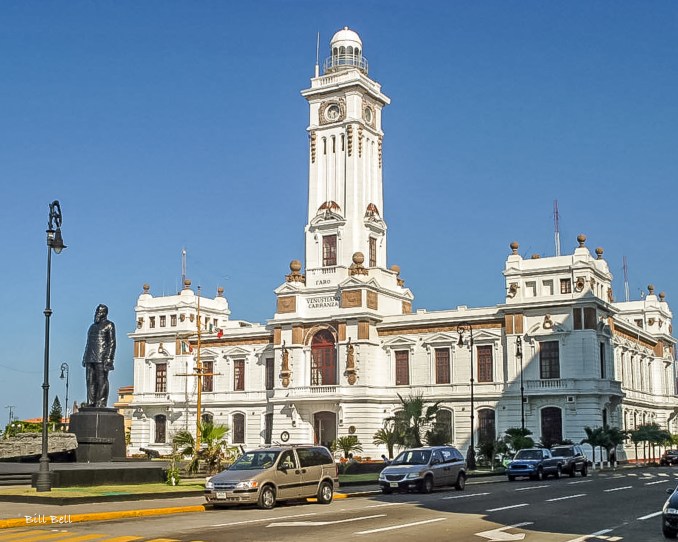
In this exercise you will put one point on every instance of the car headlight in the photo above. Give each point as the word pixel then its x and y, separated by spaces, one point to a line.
pixel 209 484
pixel 668 510
pixel 247 484
pixel 413 475
pixel 382 476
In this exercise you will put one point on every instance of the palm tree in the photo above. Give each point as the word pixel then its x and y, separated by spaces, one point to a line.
pixel 347 444
pixel 595 438
pixel 213 450
pixel 614 437
pixel 387 436
pixel 517 438
pixel 414 417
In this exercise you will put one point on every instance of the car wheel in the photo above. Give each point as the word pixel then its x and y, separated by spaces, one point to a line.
pixel 386 490
pixel 540 474
pixel 668 533
pixel 427 484
pixel 572 471
pixel 461 482
pixel 585 470
pixel 559 473
pixel 325 493
pixel 511 478
pixel 266 497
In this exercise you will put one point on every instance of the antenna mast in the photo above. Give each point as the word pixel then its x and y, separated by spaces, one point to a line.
pixel 556 224
pixel 625 266
pixel 317 55
pixel 183 266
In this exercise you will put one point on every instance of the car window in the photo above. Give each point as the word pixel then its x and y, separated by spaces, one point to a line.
pixel 412 457
pixel 529 454
pixel 255 460
pixel 437 456
pixel 448 455
pixel 309 457
pixel 563 452
pixel 288 461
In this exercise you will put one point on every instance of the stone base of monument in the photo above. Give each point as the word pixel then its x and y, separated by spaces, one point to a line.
pixel 100 433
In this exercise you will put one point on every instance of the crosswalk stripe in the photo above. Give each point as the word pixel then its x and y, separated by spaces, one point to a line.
pixel 123 539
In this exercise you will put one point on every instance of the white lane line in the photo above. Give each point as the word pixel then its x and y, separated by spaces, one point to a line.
pixel 263 519
pixel 598 534
pixel 385 504
pixel 465 496
pixel 507 507
pixel 650 516
pixel 568 497
pixel 663 474
pixel 403 526
pixel 530 487
pixel 321 523
pixel 581 482
pixel 617 489
pixel 658 482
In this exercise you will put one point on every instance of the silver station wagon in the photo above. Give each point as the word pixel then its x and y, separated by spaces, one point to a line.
pixel 423 469
pixel 273 474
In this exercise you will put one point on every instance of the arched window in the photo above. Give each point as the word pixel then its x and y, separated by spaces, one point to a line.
pixel 160 428
pixel 487 427
pixel 443 425
pixel 323 359
pixel 238 428
pixel 551 426
pixel 349 51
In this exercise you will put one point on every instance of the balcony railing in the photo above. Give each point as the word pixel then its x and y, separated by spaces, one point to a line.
pixel 338 62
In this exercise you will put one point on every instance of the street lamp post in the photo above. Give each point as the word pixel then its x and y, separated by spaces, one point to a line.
pixel 64 370
pixel 471 453
pixel 519 355
pixel 55 243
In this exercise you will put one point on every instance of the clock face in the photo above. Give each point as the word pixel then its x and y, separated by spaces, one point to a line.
pixel 368 115
pixel 332 112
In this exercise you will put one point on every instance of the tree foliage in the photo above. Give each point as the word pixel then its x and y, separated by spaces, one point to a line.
pixel 517 438
pixel 414 419
pixel 347 444
pixel 213 452
pixel 387 436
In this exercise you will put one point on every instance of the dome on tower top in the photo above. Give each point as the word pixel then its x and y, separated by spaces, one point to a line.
pixel 346 36
pixel 347 52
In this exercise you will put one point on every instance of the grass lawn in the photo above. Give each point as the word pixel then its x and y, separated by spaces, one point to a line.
pixel 59 492
pixel 367 478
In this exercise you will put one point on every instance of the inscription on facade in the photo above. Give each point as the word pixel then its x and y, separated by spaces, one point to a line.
pixel 322 301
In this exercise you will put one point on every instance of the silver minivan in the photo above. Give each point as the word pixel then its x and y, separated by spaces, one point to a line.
pixel 423 469
pixel 273 474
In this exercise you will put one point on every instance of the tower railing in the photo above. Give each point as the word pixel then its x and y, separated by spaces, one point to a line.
pixel 339 62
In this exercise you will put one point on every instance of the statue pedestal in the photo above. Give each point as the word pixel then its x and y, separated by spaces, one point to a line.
pixel 100 433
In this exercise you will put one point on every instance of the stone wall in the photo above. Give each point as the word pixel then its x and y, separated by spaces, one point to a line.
pixel 30 444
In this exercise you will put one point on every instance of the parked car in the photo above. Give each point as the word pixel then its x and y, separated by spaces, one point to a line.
pixel 423 469
pixel 669 457
pixel 279 473
pixel 573 459
pixel 536 463
pixel 670 514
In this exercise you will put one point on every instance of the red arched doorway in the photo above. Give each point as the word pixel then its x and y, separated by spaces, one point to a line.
pixel 323 359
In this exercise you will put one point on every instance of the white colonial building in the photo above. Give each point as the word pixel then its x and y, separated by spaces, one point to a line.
pixel 557 354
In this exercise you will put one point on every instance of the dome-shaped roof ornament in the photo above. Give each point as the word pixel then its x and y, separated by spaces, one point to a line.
pixel 347 48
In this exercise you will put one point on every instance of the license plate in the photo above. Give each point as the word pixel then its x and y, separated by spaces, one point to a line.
pixel 394 484
pixel 221 494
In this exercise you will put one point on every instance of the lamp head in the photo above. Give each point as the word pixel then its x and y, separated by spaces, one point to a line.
pixel 519 346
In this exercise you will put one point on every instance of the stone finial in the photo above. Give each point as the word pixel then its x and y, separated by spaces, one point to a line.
pixel 514 247
pixel 220 291
pixel 295 275
pixel 599 252
pixel 662 296
pixel 357 267
pixel 581 239
pixel 187 284
pixel 535 256
pixel 295 266
pixel 147 287
pixel 358 258
pixel 650 289
pixel 396 269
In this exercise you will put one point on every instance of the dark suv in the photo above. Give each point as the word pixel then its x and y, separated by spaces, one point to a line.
pixel 669 457
pixel 573 459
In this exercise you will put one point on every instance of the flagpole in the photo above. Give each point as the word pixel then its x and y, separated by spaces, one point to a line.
pixel 198 370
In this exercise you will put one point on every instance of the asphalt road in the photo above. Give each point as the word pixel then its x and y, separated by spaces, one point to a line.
pixel 623 505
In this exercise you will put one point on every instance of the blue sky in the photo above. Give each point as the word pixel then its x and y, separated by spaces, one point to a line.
pixel 168 124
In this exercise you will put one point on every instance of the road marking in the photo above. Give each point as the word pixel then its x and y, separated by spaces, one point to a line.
pixel 650 516
pixel 663 474
pixel 654 483
pixel 403 526
pixel 581 482
pixel 497 535
pixel 160 540
pixel 565 498
pixel 530 487
pixel 263 519
pixel 386 504
pixel 617 489
pixel 33 535
pixel 507 507
pixel 123 539
pixel 465 496
pixel 599 535
pixel 632 474
pixel 321 523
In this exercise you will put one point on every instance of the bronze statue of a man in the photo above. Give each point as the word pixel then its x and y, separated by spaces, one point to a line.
pixel 98 358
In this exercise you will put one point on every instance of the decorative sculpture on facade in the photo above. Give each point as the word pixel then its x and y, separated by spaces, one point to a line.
pixel 285 366
pixel 350 363
pixel 98 357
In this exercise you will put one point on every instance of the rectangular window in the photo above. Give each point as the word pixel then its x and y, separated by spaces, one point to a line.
pixel 151 321
pixel 173 320
pixel 577 319
pixel 373 252
pixel 442 365
pixel 329 250
pixel 602 360
pixel 549 359
pixel 530 289
pixel 163 321
pixel 589 318
pixel 160 377
pixel 565 286
pixel 547 287
pixel 484 363
pixel 207 380
pixel 270 374
pixel 268 428
pixel 402 368
pixel 239 375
